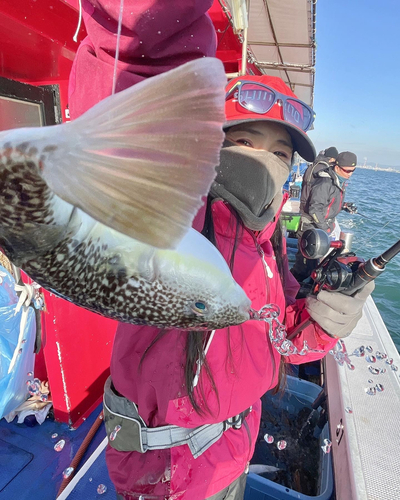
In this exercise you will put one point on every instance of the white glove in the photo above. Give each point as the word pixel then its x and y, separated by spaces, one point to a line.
pixel 336 313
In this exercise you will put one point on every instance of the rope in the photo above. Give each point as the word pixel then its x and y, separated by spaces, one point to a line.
pixel 75 37
pixel 121 11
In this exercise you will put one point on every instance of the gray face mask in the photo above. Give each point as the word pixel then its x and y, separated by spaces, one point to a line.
pixel 251 182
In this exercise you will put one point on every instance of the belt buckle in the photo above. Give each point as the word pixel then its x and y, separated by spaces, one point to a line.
pixel 234 422
pixel 237 421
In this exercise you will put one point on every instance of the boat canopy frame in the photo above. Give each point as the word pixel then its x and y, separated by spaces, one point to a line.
pixel 278 39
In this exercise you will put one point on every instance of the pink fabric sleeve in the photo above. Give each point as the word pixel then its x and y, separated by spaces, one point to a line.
pixel 155 38
pixel 295 314
pixel 291 284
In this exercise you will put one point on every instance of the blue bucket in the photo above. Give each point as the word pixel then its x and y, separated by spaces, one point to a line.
pixel 260 488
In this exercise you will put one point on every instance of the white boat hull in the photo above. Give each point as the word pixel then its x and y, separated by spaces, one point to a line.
pixel 366 442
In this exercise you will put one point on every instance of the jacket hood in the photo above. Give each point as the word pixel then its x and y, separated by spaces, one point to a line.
pixel 324 166
pixel 329 172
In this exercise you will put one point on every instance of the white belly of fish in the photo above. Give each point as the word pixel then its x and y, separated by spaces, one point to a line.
pixel 122 278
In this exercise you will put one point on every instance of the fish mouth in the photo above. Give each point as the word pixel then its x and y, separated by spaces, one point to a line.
pixel 245 311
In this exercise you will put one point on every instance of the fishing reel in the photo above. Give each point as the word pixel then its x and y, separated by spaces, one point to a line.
pixel 340 270
pixel 349 207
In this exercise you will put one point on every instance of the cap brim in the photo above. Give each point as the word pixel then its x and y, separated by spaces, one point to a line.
pixel 301 142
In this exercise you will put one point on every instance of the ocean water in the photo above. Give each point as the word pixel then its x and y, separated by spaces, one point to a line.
pixel 377 196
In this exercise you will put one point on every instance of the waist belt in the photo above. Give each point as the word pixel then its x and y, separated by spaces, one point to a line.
pixel 126 430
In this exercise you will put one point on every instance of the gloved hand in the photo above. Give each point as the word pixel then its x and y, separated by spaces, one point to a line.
pixel 336 313
pixel 349 207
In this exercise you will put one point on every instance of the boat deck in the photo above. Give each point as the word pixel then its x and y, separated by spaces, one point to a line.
pixel 30 468
pixel 91 475
pixel 366 442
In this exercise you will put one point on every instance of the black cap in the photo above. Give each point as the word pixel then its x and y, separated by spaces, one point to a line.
pixel 346 159
pixel 331 152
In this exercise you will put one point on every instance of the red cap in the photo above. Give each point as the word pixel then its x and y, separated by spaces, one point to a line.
pixel 236 114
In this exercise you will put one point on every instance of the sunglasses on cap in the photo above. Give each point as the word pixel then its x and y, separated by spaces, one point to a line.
pixel 259 98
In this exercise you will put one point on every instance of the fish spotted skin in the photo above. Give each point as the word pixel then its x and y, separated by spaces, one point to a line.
pixel 69 253
pixel 25 211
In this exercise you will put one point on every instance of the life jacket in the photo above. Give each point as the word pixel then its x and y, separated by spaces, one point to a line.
pixel 325 200
pixel 309 177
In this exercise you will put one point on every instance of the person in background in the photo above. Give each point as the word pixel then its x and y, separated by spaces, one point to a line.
pixel 166 384
pixel 325 159
pixel 324 201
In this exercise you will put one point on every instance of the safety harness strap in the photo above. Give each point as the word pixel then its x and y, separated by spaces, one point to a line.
pixel 169 436
pixel 127 431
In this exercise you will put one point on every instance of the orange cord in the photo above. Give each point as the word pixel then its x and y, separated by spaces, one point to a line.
pixel 79 454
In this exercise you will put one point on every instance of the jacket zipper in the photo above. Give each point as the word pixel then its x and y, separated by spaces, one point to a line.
pixel 268 275
pixel 267 270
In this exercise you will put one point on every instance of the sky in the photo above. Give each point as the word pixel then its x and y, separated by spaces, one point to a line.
pixel 357 83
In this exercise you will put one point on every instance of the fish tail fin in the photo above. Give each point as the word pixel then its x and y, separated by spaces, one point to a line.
pixel 141 160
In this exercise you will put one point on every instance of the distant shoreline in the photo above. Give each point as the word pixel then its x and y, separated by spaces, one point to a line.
pixel 380 169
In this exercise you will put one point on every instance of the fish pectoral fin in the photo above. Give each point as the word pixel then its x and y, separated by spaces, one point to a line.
pixel 140 161
pixel 138 268
pixel 31 242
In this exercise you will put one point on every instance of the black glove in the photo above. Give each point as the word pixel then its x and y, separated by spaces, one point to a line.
pixel 349 207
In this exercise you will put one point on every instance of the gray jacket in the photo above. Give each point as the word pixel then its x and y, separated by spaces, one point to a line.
pixel 309 177
pixel 325 200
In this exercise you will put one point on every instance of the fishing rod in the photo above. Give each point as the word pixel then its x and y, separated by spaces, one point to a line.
pixel 353 210
pixel 365 217
pixel 340 270
pixel 345 272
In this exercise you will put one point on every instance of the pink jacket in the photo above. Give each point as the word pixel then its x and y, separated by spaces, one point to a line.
pixel 244 366
pixel 243 362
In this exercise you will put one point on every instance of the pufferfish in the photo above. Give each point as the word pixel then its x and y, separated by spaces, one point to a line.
pixel 99 210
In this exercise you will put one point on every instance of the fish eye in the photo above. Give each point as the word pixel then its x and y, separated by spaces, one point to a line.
pixel 199 307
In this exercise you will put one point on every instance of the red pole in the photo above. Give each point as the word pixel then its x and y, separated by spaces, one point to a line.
pixel 79 454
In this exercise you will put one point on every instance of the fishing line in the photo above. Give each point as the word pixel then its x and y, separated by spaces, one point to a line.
pixel 369 218
pixel 383 227
pixel 75 37
pixel 121 10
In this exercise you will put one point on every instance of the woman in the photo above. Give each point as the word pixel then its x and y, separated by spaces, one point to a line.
pixel 173 382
